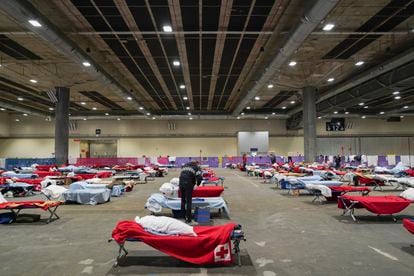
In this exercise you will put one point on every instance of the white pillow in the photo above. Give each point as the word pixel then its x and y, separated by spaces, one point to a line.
pixel 408 194
pixel 168 189
pixel 165 226
pixel 175 181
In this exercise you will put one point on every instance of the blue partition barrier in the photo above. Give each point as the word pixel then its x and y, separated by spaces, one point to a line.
pixel 27 162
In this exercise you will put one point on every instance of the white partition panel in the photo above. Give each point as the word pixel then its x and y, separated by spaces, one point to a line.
pixel 251 141
pixel 335 145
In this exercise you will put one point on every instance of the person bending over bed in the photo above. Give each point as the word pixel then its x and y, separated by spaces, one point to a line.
pixel 190 175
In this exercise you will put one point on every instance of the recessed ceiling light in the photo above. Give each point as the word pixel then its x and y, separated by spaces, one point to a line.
pixel 153 118
pixel 331 79
pixel 242 113
pixel 247 107
pixel 382 113
pixel 270 86
pixel 283 107
pixel 86 64
pixel 359 63
pixel 176 63
pixel 191 118
pixel 93 108
pixel 141 108
pixel 328 27
pixel 238 118
pixel 33 81
pixel 51 108
pixel 25 114
pixel 129 98
pixel 361 104
pixel 401 116
pixel 189 113
pixel 319 117
pixel 106 114
pixel 396 92
pixel 257 98
pixel 2 109
pixel 84 119
pixel 335 112
pixel 20 99
pixel 167 28
pixel 185 98
pixel 292 102
pixel 292 63
pixel 35 23
pixel 346 112
pixel 182 86
pixel 405 107
pixel 366 107
pixel 118 119
pixel 83 103
pixel 273 113
pixel 266 117
pixel 397 97
pixel 17 120
pixel 148 113
pixel 188 108
pixel 364 117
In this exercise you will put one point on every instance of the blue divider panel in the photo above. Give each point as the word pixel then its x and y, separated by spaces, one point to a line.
pixel 27 162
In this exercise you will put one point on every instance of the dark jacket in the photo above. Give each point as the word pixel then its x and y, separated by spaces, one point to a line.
pixel 190 175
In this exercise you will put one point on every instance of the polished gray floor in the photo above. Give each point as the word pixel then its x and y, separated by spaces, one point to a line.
pixel 286 236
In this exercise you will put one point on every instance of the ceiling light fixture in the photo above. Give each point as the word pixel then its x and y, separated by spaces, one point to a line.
pixel 17 120
pixel 167 28
pixel 83 103
pixel 292 63
pixel 328 27
pixel 25 114
pixel 273 113
pixel 141 108
pixel 361 104
pixel 242 113
pixel 335 112
pixel 20 99
pixel 191 118
pixel 292 102
pixel 148 113
pixel 359 63
pixel 118 119
pixel 84 119
pixel 405 106
pixel 188 108
pixel 401 116
pixel 382 113
pixel 182 86
pixel 346 112
pixel 2 109
pixel 176 63
pixel 93 108
pixel 153 118
pixel 364 117
pixel 270 86
pixel 283 107
pixel 247 107
pixel 396 92
pixel 33 81
pixel 331 79
pixel 257 98
pixel 189 113
pixel 86 64
pixel 51 108
pixel 35 23
pixel 366 107
pixel 185 98
pixel 397 97
pixel 238 118
pixel 129 98
pixel 266 117
pixel 106 114
pixel 320 117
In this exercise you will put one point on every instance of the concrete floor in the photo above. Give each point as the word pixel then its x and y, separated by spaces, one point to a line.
pixel 285 236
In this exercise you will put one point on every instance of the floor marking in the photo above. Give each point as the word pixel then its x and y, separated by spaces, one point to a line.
pixel 269 273
pixel 261 244
pixel 248 181
pixel 263 261
pixel 88 270
pixel 385 254
pixel 86 262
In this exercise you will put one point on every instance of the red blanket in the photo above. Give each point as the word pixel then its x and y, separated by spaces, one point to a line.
pixel 47 173
pixel 44 205
pixel 381 205
pixel 103 174
pixel 211 246
pixel 206 191
pixel 409 225
pixel 349 189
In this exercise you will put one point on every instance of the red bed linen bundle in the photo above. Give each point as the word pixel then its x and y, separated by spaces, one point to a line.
pixel 206 191
pixel 381 205
pixel 409 225
pixel 211 246
pixel 349 189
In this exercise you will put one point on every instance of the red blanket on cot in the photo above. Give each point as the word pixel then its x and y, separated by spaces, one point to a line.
pixel 47 173
pixel 44 205
pixel 349 189
pixel 206 191
pixel 211 246
pixel 409 225
pixel 103 174
pixel 381 205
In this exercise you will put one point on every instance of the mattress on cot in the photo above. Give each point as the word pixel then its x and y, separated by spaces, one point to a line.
pixel 206 191
pixel 381 205
pixel 327 183
pixel 82 195
pixel 44 205
pixel 409 225
pixel 212 245
pixel 407 181
pixel 116 190
pixel 156 202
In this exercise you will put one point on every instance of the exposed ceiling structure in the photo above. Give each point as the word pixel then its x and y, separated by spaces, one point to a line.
pixel 186 58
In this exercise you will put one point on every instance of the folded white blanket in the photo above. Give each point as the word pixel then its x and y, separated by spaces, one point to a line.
pixel 325 191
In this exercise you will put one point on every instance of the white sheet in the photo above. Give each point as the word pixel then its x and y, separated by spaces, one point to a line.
pixel 325 191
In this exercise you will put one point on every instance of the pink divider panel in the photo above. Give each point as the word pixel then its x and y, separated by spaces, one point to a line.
pixel 106 161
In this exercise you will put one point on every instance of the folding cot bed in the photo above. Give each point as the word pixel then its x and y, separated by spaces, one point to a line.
pixel 81 194
pixel 331 193
pixel 213 245
pixel 156 202
pixel 16 206
pixel 17 188
pixel 409 225
pixel 380 205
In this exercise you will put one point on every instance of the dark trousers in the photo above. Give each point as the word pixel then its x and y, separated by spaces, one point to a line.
pixel 186 200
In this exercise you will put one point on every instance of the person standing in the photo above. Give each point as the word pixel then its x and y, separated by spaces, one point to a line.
pixel 244 159
pixel 190 175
